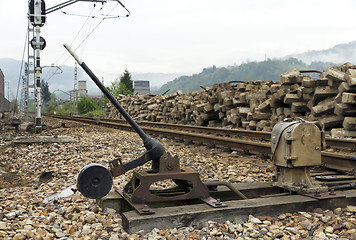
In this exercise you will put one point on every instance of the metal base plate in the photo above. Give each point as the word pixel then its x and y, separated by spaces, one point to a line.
pixel 214 202
pixel 141 208
pixel 323 195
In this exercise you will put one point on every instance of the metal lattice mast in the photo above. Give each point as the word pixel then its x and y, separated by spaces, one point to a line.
pixel 23 91
pixel 29 68
pixel 75 88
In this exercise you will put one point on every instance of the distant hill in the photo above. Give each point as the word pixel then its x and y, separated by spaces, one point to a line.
pixel 338 54
pixel 271 69
pixel 156 79
pixel 265 70
pixel 65 80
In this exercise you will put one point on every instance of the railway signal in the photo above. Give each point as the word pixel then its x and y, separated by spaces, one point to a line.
pixel 42 43
pixel 37 17
pixel 37 9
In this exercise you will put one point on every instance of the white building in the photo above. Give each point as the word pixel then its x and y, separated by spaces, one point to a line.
pixel 142 87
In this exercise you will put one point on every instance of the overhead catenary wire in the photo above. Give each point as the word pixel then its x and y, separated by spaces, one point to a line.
pixel 92 31
pixel 76 36
pixel 20 73
pixel 55 72
pixel 87 29
pixel 80 15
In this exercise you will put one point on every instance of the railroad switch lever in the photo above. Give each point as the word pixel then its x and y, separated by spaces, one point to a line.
pixel 154 148
pixel 95 181
pixel 154 152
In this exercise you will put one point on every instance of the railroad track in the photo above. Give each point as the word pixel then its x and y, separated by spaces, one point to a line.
pixel 342 159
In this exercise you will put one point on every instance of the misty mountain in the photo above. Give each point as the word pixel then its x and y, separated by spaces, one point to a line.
pixel 265 70
pixel 270 69
pixel 338 54
pixel 156 79
pixel 64 81
pixel 58 79
pixel 320 59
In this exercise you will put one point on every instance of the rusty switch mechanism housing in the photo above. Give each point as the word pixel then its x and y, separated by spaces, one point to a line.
pixel 95 181
pixel 296 147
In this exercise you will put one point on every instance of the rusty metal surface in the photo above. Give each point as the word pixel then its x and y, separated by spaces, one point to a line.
pixel 323 195
pixel 215 184
pixel 339 161
pixel 141 208
pixel 189 186
pixel 116 169
pixel 216 203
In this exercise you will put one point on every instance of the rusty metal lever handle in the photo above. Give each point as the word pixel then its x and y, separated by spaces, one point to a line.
pixel 154 148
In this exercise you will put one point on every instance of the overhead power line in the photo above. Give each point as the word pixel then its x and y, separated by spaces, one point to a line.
pixel 104 18
pixel 20 73
pixel 92 30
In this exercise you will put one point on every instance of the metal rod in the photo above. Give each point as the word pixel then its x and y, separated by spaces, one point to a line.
pixel 166 92
pixel 59 6
pixel 228 185
pixel 112 99
pixel 310 71
pixel 70 2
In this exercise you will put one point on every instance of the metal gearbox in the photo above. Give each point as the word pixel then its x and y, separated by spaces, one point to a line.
pixel 296 146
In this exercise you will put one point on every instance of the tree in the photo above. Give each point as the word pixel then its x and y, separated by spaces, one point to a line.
pixel 86 104
pixel 114 88
pixel 52 104
pixel 122 85
pixel 124 90
pixel 126 84
pixel 45 94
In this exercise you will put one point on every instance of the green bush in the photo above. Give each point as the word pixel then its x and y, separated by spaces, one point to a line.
pixel 94 113
pixel 86 104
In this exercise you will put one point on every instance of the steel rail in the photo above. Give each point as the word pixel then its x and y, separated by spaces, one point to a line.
pixel 233 133
pixel 226 138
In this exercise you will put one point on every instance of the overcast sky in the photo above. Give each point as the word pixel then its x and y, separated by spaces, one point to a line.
pixel 171 36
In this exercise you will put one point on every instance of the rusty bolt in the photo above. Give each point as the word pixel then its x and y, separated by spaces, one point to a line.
pixel 218 202
pixel 332 192
pixel 145 208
